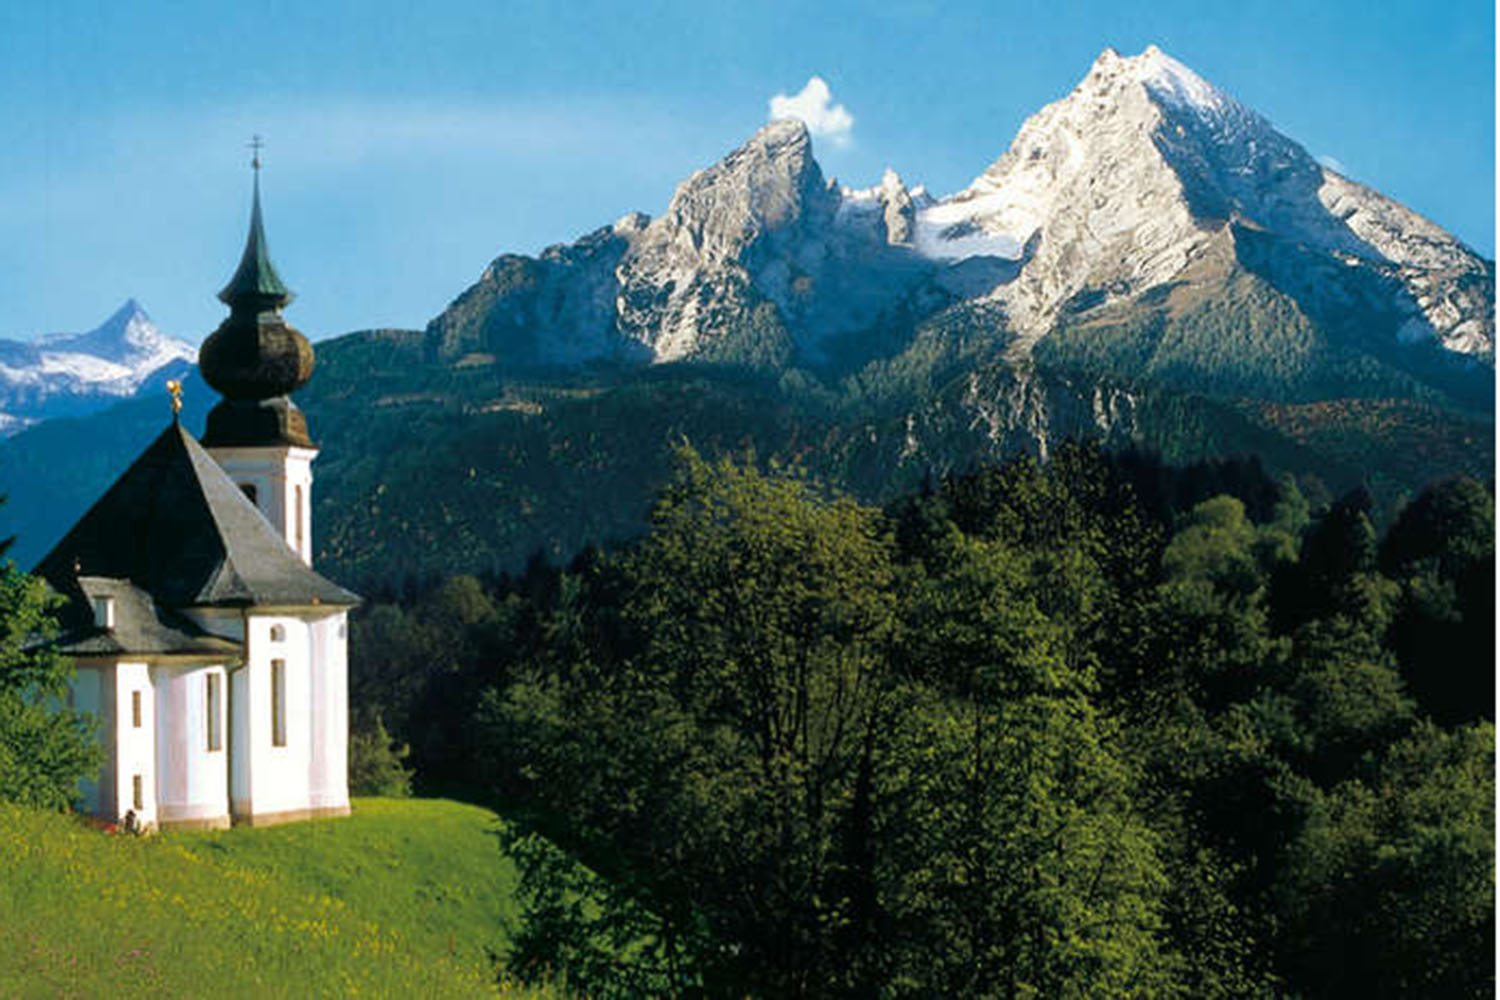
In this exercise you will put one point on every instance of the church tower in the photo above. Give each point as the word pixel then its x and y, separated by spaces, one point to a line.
pixel 255 360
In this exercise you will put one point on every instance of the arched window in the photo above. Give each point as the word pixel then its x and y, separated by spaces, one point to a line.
pixel 278 633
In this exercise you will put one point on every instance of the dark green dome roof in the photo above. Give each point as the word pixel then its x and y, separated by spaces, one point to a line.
pixel 255 354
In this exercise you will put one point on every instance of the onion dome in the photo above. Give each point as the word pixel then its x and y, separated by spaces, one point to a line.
pixel 255 358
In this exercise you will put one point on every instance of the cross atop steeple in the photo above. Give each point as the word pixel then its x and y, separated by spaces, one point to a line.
pixel 256 144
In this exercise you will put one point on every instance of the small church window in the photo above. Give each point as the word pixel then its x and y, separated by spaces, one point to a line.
pixel 278 633
pixel 250 492
pixel 104 612
pixel 278 703
pixel 136 792
pixel 135 709
pixel 215 726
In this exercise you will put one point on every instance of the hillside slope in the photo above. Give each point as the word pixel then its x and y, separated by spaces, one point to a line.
pixel 432 469
pixel 403 898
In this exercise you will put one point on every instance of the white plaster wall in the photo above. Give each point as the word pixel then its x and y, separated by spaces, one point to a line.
pixel 277 472
pixel 87 696
pixel 135 746
pixel 241 724
pixel 328 776
pixel 192 780
pixel 278 776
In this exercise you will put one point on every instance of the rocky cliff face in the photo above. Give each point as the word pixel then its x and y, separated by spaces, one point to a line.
pixel 764 225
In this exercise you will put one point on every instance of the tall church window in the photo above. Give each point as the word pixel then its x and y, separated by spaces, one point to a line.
pixel 137 795
pixel 215 723
pixel 278 703
pixel 278 633
pixel 299 519
pixel 135 709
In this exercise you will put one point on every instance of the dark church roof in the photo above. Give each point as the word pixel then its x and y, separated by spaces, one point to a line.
pixel 140 624
pixel 178 528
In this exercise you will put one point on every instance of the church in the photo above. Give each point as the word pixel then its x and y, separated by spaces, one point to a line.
pixel 213 656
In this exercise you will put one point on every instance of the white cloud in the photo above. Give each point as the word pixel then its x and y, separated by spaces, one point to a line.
pixel 1333 163
pixel 814 107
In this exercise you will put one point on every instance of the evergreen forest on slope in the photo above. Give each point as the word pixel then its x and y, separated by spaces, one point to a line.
pixel 1090 727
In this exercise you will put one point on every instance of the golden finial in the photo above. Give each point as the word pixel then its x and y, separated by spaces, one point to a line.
pixel 175 388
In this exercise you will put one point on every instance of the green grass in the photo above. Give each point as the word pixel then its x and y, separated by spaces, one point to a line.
pixel 403 898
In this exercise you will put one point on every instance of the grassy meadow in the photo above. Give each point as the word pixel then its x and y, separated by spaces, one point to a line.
pixel 403 898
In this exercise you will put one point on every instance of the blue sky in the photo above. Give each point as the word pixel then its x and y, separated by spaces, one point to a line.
pixel 407 145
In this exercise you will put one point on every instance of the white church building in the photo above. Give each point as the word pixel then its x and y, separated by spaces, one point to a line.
pixel 212 654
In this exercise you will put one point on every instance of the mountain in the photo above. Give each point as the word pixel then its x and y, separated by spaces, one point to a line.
pixel 1145 168
pixel 757 258
pixel 1142 183
pixel 71 374
pixel 1150 263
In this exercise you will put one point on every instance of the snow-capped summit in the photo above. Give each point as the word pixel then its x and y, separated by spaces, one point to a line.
pixel 128 340
pixel 74 373
pixel 1144 166
pixel 1170 80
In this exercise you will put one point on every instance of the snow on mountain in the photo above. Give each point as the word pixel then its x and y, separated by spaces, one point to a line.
pixel 74 373
pixel 127 339
pixel 1134 174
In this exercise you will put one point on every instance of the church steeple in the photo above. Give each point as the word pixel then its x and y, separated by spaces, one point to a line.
pixel 255 358
pixel 256 279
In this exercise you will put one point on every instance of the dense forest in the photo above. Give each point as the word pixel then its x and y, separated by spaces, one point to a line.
pixel 1089 727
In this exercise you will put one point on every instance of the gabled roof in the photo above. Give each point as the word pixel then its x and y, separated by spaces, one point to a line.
pixel 178 528
pixel 140 625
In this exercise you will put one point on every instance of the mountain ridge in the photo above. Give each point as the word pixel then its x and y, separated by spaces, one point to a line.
pixel 1104 195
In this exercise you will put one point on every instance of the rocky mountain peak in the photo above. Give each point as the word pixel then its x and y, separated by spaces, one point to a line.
pixel 768 186
pixel 899 209
pixel 755 226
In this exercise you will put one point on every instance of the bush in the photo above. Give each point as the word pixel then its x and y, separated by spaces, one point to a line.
pixel 376 761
